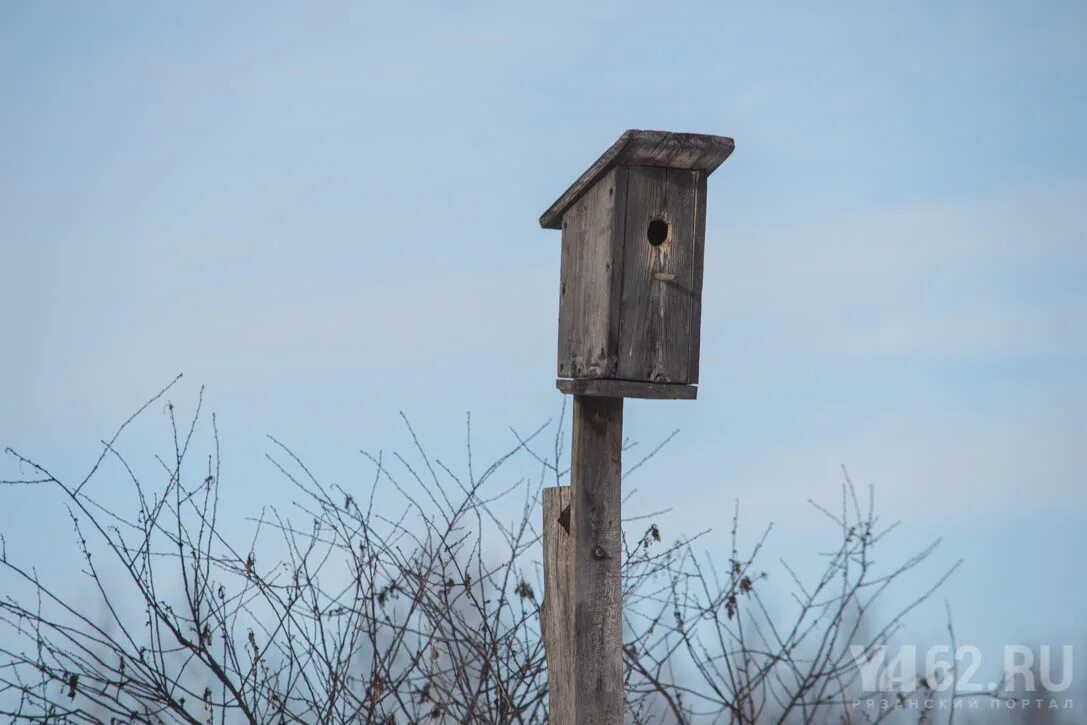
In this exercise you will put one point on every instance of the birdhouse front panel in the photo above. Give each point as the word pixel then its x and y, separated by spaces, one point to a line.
pixel 662 275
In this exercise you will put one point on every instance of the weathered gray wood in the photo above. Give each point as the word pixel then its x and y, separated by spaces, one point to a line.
pixel 629 326
pixel 655 322
pixel 627 389
pixel 699 257
pixel 691 151
pixel 590 278
pixel 595 472
pixel 557 611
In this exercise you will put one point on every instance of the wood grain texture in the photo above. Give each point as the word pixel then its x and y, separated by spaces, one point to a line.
pixel 691 151
pixel 655 323
pixel 590 278
pixel 699 257
pixel 627 389
pixel 595 474
pixel 557 610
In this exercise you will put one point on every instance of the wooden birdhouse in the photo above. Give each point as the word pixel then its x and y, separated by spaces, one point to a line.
pixel 633 236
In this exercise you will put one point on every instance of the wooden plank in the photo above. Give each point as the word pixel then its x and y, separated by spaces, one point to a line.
pixel 695 348
pixel 591 273
pixel 595 474
pixel 557 610
pixel 692 151
pixel 627 389
pixel 615 291
pixel 658 279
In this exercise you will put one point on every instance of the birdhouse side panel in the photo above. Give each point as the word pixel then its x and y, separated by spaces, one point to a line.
pixel 659 275
pixel 591 278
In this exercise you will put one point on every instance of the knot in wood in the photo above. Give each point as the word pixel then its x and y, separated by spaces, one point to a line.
pixel 599 553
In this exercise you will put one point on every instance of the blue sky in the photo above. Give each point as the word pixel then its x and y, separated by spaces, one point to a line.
pixel 327 214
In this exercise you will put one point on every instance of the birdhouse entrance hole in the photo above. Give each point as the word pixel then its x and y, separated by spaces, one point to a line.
pixel 657 232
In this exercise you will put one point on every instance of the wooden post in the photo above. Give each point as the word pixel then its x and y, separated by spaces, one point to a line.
pixel 557 612
pixel 592 588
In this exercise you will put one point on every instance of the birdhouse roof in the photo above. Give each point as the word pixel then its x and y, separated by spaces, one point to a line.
pixel 694 151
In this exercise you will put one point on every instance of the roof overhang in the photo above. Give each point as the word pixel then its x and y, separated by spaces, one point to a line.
pixel 693 151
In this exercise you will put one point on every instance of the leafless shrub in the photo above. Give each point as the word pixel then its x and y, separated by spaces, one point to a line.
pixel 343 609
